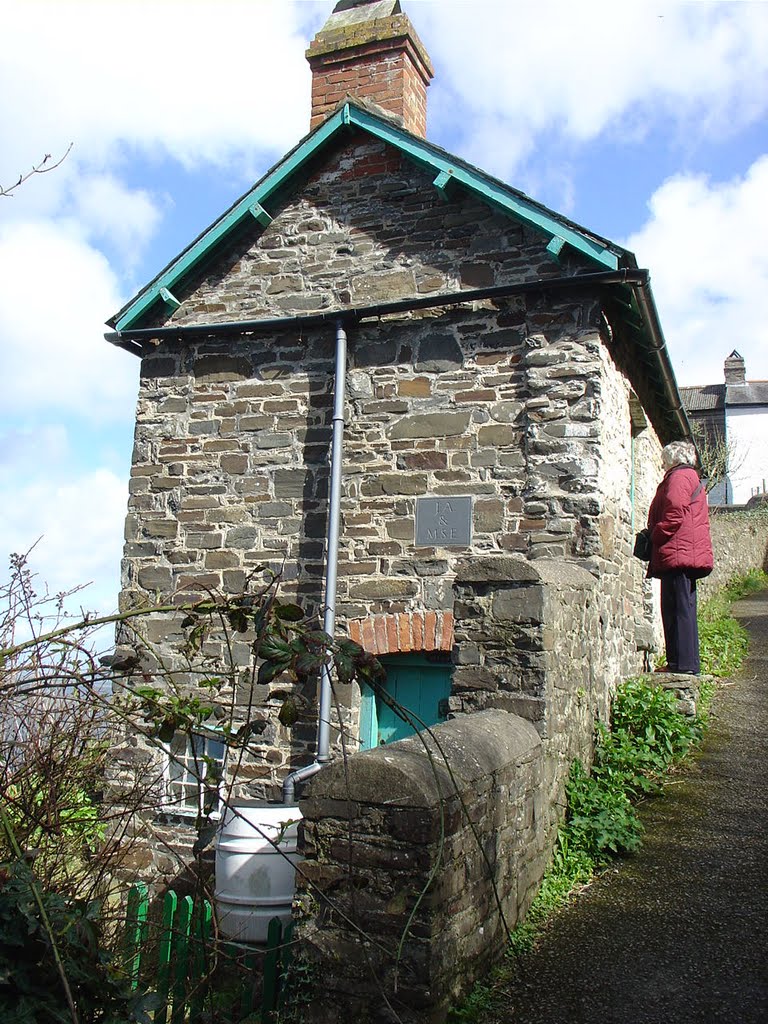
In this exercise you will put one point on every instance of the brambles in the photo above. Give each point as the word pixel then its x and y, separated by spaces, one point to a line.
pixel 63 831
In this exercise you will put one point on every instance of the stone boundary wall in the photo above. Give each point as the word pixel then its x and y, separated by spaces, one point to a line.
pixel 531 643
pixel 740 543
pixel 392 833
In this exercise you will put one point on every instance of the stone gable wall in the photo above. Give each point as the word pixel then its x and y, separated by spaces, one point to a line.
pixel 517 403
pixel 368 226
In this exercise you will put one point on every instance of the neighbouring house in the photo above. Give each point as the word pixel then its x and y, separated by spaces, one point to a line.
pixel 506 392
pixel 732 420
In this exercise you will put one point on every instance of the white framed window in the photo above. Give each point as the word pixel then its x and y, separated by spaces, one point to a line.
pixel 194 774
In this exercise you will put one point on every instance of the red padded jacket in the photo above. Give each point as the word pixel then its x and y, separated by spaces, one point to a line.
pixel 679 525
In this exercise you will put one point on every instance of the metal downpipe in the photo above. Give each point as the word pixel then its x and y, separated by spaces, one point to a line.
pixel 331 572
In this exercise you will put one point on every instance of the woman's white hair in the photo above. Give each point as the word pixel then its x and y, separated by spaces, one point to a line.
pixel 678 453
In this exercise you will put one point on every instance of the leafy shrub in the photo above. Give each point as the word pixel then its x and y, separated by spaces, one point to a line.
pixel 46 939
pixel 648 736
pixel 601 822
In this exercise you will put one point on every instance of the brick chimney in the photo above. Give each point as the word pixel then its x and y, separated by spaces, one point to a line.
pixel 735 370
pixel 369 50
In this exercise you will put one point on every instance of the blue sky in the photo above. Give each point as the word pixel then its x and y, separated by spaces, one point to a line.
pixel 645 122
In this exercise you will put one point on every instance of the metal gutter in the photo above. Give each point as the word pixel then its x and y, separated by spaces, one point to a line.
pixel 637 279
pixel 658 345
pixel 354 314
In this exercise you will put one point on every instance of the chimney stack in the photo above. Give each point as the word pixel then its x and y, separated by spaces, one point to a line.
pixel 368 50
pixel 735 370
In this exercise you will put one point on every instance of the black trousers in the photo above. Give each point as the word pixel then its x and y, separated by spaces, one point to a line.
pixel 678 615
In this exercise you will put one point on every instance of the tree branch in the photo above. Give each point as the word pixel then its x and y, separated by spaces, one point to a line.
pixel 40 168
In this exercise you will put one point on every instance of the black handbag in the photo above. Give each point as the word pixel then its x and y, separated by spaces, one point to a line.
pixel 642 548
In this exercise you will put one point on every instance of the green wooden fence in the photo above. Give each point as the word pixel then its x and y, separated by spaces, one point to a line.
pixel 190 972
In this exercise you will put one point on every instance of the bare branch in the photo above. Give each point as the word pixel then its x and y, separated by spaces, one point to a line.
pixel 42 168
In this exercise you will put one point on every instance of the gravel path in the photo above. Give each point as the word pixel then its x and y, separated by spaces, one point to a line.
pixel 678 933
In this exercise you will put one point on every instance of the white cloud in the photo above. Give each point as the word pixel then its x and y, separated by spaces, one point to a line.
pixel 704 244
pixel 110 212
pixel 77 523
pixel 198 81
pixel 54 289
pixel 580 70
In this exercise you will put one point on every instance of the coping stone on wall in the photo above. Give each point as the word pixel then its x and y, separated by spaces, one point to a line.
pixel 401 775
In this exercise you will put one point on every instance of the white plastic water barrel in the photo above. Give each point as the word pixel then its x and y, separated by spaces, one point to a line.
pixel 255 868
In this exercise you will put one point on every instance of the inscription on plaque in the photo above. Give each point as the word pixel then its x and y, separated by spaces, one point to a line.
pixel 443 522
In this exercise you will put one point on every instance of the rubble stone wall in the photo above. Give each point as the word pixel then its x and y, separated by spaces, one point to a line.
pixel 516 403
pixel 740 543
pixel 462 851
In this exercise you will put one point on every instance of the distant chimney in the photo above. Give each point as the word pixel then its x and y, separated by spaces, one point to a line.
pixel 735 371
pixel 369 50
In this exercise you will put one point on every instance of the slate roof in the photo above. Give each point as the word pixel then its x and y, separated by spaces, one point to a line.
pixel 717 397
pixel 703 399
pixel 754 392
pixel 627 287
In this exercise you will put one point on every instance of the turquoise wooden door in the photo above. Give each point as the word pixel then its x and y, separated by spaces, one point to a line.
pixel 419 685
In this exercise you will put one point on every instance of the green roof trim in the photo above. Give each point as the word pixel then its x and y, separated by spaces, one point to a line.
pixel 169 299
pixel 449 172
pixel 441 183
pixel 555 247
pixel 261 215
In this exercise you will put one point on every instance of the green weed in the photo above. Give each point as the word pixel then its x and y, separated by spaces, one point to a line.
pixel 723 640
pixel 648 736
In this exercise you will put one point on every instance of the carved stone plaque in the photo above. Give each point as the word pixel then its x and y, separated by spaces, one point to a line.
pixel 443 522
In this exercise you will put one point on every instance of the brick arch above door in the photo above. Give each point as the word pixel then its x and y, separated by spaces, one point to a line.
pixel 402 632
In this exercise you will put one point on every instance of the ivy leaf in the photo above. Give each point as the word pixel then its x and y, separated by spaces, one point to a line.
pixel 238 620
pixel 254 728
pixel 345 667
pixel 318 638
pixel 166 730
pixel 306 663
pixel 350 648
pixel 205 837
pixel 370 669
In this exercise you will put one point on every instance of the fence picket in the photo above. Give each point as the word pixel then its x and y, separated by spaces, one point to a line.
pixel 164 956
pixel 184 955
pixel 286 958
pixel 201 935
pixel 181 955
pixel 248 997
pixel 135 931
pixel 271 970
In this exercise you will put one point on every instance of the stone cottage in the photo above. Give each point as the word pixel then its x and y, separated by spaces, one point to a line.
pixel 505 390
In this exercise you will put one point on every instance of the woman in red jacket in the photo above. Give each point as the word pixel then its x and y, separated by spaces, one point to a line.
pixel 681 552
